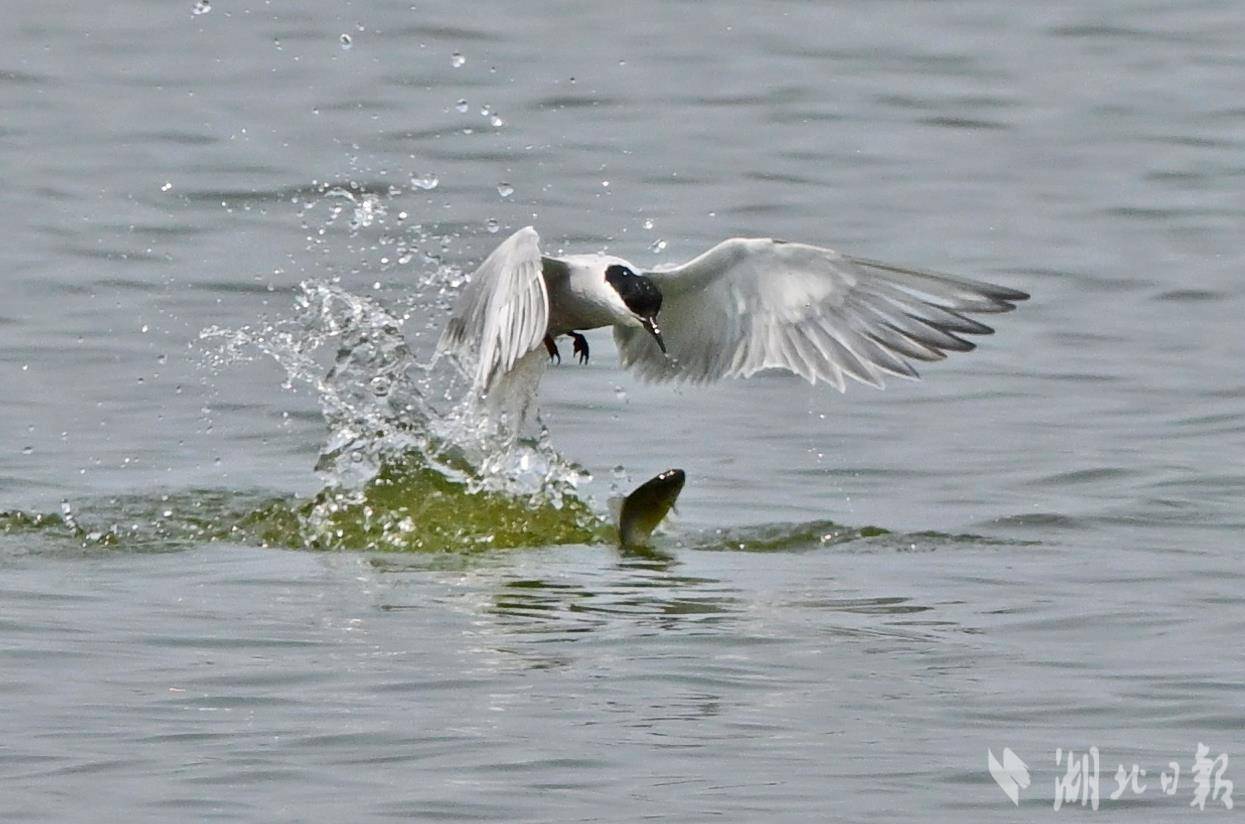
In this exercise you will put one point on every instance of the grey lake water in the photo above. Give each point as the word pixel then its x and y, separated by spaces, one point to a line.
pixel 1059 515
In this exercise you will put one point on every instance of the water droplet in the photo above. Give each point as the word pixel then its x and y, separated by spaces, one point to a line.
pixel 401 215
pixel 505 189
pixel 492 225
pixel 605 183
pixel 28 450
pixel 462 106
pixel 648 223
pixel 619 472
pixel 457 60
pixel 427 181
pixel 496 121
pixel 346 41
pixel 201 7
pixel 620 393
pixel 657 246
pixel 166 186
pixel 485 111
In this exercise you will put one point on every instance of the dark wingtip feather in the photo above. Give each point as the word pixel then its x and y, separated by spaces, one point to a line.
pixel 1005 299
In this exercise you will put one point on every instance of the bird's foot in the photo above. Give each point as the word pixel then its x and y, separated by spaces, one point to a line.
pixel 552 349
pixel 581 346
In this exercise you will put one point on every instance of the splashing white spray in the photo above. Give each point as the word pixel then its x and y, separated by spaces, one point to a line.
pixel 381 404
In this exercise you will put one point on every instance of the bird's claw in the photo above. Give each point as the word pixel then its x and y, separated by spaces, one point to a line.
pixel 581 346
pixel 552 349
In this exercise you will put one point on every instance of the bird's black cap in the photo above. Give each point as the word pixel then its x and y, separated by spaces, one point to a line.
pixel 637 291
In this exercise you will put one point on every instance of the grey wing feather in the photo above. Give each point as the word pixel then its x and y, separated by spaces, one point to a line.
pixel 750 304
pixel 503 313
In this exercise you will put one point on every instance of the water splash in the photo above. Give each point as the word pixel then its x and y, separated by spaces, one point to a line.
pixel 400 428
pixel 426 181
pixel 382 403
pixel 366 207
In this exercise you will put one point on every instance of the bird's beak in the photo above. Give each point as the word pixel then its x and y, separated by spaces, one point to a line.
pixel 651 325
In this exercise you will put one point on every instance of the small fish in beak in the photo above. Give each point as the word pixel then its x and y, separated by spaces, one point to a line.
pixel 650 323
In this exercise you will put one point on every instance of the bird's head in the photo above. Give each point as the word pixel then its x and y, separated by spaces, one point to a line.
pixel 641 297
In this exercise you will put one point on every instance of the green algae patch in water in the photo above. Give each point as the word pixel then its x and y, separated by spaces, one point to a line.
pixel 415 508
pixel 407 507
pixel 18 522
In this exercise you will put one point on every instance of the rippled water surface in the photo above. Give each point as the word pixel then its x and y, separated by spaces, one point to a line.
pixel 1058 515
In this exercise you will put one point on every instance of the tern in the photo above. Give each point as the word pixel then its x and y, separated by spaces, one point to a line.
pixel 744 306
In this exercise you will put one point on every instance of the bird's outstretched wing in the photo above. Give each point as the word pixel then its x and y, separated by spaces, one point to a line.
pixel 502 314
pixel 750 304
